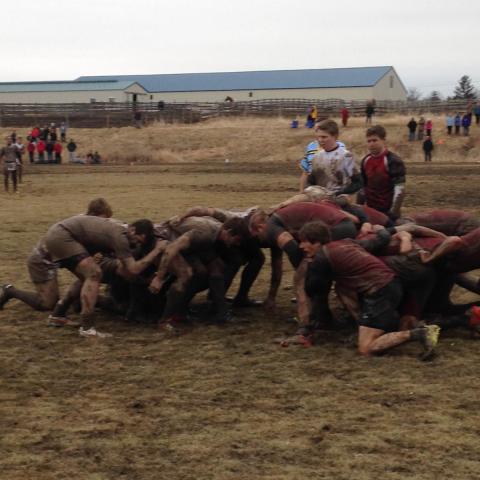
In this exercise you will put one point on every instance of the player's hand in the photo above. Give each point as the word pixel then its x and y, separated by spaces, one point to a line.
pixel 161 245
pixel 156 285
pixel 98 257
pixel 424 256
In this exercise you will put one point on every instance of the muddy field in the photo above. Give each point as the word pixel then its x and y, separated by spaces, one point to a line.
pixel 221 402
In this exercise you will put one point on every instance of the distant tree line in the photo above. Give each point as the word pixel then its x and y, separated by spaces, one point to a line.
pixel 464 90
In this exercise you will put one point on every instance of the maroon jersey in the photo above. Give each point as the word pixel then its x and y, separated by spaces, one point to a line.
pixel 375 217
pixel 468 257
pixel 295 216
pixel 356 269
pixel 380 175
pixel 428 243
pixel 449 222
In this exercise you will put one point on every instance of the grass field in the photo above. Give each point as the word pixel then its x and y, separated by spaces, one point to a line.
pixel 223 403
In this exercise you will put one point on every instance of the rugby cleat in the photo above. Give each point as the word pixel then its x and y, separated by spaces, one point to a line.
pixel 93 332
pixel 54 321
pixel 430 341
pixel 4 297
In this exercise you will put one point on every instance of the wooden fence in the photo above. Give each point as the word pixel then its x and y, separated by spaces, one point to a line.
pixel 101 115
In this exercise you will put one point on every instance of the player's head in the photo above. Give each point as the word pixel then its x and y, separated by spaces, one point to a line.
pixel 141 231
pixel 327 134
pixel 376 139
pixel 258 223
pixel 99 207
pixel 234 231
pixel 312 236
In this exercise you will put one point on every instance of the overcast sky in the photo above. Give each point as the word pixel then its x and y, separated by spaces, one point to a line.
pixel 431 43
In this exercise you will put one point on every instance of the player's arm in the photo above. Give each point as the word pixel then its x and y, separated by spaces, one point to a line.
pixel 135 267
pixel 198 212
pixel 276 258
pixel 419 231
pixel 171 251
pixel 397 172
pixel 449 245
pixel 289 245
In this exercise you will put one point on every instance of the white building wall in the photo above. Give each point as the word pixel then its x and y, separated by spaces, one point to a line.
pixel 389 88
pixel 71 97
pixel 358 93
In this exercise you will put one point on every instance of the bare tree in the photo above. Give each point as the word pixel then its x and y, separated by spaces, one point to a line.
pixel 413 94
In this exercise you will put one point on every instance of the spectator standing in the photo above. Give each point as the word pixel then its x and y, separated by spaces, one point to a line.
pixel 412 129
pixel 476 112
pixel 57 148
pixel 49 149
pixel 458 123
pixel 369 112
pixel 53 135
pixel 466 122
pixel 41 150
pixel 449 123
pixel 9 156
pixel 20 151
pixel 35 133
pixel 428 128
pixel 63 132
pixel 71 147
pixel 345 115
pixel 44 133
pixel 31 150
pixel 420 128
pixel 96 158
pixel 428 148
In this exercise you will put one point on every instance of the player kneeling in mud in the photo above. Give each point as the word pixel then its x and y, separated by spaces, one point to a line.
pixel 379 291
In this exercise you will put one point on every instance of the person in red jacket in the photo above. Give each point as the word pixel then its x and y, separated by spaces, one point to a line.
pixel 31 151
pixel 57 148
pixel 41 151
pixel 345 115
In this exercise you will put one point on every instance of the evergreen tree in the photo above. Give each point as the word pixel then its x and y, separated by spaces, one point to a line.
pixel 465 89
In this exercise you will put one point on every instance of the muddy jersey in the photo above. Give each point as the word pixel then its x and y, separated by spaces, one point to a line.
pixel 356 269
pixel 333 170
pixel 9 154
pixel 375 217
pixel 294 217
pixel 468 257
pixel 97 234
pixel 202 232
pixel 449 222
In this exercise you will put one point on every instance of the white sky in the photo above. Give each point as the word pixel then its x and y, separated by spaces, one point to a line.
pixel 431 43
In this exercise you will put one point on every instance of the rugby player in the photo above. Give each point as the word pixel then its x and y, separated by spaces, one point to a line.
pixel 383 174
pixel 379 291
pixel 43 273
pixel 71 244
pixel 333 167
pixel 196 241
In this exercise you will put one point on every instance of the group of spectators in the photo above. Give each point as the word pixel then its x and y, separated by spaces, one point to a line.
pixel 43 144
pixel 456 124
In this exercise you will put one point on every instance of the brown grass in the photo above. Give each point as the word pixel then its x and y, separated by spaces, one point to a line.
pixel 254 140
pixel 221 403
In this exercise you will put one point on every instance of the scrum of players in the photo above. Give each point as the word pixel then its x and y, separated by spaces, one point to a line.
pixel 342 233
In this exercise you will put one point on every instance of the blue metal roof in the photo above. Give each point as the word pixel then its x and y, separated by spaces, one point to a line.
pixel 65 86
pixel 256 80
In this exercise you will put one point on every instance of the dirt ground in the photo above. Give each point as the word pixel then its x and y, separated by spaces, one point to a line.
pixel 221 403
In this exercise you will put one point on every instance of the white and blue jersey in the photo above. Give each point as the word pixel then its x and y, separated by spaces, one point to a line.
pixel 312 149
